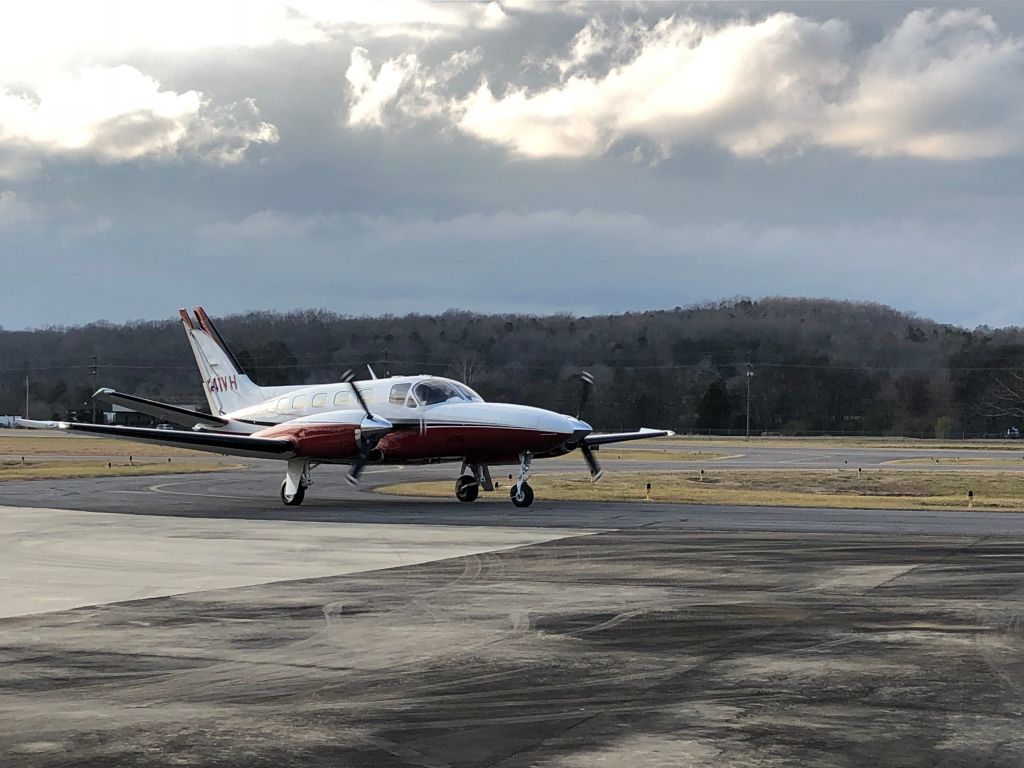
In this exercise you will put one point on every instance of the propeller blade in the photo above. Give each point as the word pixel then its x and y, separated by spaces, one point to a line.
pixel 356 470
pixel 347 377
pixel 596 473
pixel 587 384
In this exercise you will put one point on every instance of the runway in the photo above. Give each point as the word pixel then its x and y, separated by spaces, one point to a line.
pixel 360 629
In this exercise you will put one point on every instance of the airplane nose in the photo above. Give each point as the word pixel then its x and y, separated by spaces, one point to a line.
pixel 549 421
pixel 580 429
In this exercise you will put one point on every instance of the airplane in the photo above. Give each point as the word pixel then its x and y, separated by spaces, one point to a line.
pixel 420 419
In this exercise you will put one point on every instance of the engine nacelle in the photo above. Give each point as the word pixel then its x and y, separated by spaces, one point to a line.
pixel 331 436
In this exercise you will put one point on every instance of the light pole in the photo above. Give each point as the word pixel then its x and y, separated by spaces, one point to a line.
pixel 750 375
pixel 94 370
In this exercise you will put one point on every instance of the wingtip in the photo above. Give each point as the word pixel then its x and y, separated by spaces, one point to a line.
pixel 34 424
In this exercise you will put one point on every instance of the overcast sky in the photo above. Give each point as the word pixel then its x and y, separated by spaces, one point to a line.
pixel 396 157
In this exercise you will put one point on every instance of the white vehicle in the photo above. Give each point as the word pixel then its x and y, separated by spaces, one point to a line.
pixel 396 420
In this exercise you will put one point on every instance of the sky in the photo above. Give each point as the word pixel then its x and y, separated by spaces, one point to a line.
pixel 395 157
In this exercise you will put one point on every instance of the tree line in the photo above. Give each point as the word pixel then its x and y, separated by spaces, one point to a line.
pixel 812 366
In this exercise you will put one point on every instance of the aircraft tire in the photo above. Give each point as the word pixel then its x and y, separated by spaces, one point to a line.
pixel 295 500
pixel 467 488
pixel 524 497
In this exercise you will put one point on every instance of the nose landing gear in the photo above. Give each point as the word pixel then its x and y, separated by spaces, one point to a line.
pixel 521 493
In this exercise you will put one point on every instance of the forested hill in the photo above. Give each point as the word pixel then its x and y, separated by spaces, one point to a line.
pixel 817 365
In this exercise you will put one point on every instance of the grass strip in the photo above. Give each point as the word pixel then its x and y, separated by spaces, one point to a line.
pixel 25 443
pixel 60 470
pixel 840 489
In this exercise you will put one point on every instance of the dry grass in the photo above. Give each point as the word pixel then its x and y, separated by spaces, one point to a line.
pixel 647 454
pixel 958 461
pixel 876 489
pixel 56 470
pixel 845 442
pixel 27 443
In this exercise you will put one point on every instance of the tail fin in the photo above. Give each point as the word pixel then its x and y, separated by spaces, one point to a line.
pixel 226 386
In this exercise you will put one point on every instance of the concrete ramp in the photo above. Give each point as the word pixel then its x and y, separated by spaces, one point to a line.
pixel 56 559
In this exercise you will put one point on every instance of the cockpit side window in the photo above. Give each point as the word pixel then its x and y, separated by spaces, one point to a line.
pixel 398 393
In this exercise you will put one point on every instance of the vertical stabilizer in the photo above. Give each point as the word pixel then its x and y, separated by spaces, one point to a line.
pixel 226 386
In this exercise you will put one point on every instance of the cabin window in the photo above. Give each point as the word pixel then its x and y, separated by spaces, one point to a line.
pixel 398 393
pixel 319 400
pixel 282 405
pixel 298 402
pixel 343 397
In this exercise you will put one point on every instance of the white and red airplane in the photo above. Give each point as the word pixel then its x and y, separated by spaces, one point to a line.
pixel 396 420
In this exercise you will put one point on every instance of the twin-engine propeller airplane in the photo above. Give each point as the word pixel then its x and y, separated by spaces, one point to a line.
pixel 396 420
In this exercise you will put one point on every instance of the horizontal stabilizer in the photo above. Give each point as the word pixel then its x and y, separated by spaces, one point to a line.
pixel 211 442
pixel 621 437
pixel 172 413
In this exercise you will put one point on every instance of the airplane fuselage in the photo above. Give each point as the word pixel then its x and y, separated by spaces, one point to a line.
pixel 322 421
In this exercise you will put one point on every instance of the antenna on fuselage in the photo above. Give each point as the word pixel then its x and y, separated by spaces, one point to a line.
pixel 370 369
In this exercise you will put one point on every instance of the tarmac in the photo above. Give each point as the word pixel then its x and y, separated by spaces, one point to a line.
pixel 194 620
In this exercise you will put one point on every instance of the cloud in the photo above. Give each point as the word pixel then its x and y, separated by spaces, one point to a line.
pixel 404 18
pixel 114 29
pixel 940 85
pixel 118 114
pixel 414 91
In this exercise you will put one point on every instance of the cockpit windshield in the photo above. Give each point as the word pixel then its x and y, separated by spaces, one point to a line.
pixel 433 391
pixel 468 393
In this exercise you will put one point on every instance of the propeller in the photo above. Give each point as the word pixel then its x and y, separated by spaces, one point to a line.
pixel 586 387
pixel 596 473
pixel 347 378
pixel 364 451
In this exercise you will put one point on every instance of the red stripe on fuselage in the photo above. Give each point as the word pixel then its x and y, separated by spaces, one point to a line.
pixel 476 443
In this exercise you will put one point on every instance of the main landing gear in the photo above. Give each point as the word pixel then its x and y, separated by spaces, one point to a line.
pixel 467 488
pixel 472 476
pixel 296 481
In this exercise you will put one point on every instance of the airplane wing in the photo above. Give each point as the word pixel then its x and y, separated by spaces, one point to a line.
pixel 211 442
pixel 621 437
pixel 172 413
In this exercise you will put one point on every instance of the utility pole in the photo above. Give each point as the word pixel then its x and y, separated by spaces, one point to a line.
pixel 94 371
pixel 750 375
pixel 26 394
pixel 387 364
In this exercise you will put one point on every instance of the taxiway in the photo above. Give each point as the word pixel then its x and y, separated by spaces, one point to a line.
pixel 216 627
